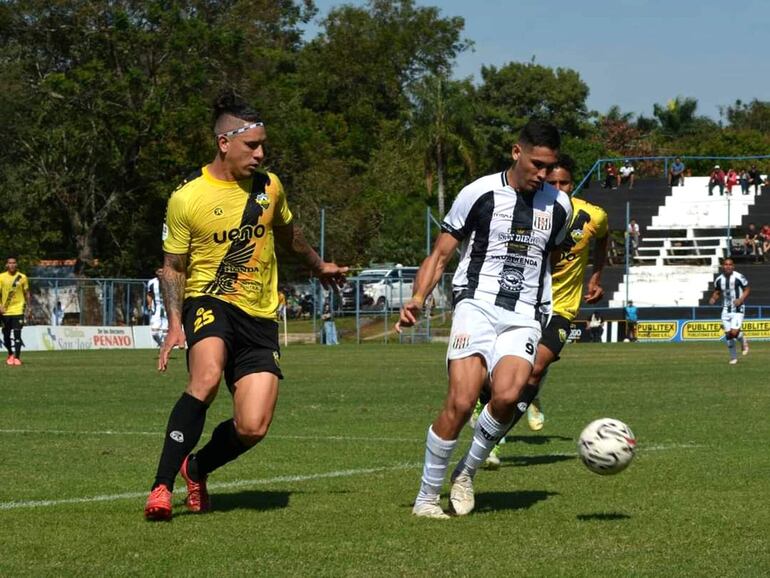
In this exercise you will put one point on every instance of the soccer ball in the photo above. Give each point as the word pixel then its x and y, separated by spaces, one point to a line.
pixel 606 446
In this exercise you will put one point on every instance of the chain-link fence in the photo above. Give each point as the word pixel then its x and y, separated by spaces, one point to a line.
pixel 62 301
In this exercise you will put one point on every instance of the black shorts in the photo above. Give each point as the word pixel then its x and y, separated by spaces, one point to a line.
pixel 555 334
pixel 11 322
pixel 251 342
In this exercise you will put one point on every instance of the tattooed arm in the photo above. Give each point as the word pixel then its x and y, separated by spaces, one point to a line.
pixel 172 283
pixel 290 237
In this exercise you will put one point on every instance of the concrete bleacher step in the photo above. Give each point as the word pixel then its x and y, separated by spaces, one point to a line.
pixel 670 285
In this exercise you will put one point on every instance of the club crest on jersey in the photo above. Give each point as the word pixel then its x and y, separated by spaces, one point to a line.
pixel 577 235
pixel 218 211
pixel 541 220
pixel 263 200
pixel 512 280
pixel 461 341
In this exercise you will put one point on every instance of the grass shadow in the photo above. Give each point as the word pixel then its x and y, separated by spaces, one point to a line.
pixel 496 501
pixel 249 500
pixel 603 517
pixel 536 440
pixel 535 460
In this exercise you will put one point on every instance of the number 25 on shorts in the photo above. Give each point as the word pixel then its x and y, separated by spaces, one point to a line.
pixel 202 317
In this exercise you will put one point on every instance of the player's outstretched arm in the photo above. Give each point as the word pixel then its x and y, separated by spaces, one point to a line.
pixel 290 237
pixel 172 283
pixel 594 290
pixel 428 276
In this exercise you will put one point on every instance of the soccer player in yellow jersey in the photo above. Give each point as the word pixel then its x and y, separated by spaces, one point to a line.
pixel 588 222
pixel 14 300
pixel 220 289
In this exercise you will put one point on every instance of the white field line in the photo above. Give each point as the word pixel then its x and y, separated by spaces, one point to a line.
pixel 159 434
pixel 215 486
pixel 659 447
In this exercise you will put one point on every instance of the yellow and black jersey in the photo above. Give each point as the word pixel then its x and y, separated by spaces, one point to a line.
pixel 588 222
pixel 226 230
pixel 13 292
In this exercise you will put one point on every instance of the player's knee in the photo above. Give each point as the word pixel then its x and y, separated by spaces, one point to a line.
pixel 252 430
pixel 460 406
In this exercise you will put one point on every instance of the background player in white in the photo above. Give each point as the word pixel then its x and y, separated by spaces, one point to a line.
pixel 510 225
pixel 158 317
pixel 734 289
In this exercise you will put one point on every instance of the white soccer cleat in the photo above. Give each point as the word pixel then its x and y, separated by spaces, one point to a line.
pixel 461 498
pixel 733 361
pixel 429 509
pixel 745 348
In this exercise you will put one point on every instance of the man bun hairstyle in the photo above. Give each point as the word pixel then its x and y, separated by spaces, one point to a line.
pixel 229 103
pixel 538 133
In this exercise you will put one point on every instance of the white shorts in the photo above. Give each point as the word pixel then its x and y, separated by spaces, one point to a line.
pixel 481 328
pixel 158 323
pixel 731 321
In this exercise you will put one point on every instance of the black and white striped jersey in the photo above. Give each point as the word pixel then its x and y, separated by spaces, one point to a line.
pixel 507 238
pixel 731 288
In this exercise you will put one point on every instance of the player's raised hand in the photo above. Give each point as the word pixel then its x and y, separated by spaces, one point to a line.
pixel 331 275
pixel 174 338
pixel 409 314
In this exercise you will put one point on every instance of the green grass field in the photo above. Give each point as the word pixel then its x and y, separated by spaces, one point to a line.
pixel 329 492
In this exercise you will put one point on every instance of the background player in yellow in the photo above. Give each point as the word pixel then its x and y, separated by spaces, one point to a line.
pixel 220 289
pixel 14 303
pixel 588 222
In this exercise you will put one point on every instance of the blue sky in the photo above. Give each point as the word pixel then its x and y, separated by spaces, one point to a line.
pixel 632 53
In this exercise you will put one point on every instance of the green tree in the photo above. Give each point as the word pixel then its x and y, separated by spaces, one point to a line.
pixel 442 125
pixel 678 117
pixel 117 101
pixel 513 94
pixel 754 115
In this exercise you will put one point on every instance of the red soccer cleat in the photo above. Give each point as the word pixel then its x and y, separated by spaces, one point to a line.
pixel 10 359
pixel 197 495
pixel 17 361
pixel 158 505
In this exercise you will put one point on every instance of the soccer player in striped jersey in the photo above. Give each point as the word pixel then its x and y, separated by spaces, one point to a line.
pixel 589 223
pixel 734 290
pixel 509 226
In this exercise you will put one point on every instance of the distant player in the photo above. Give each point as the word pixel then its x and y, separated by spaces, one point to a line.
pixel 14 300
pixel 734 290
pixel 158 317
pixel 589 223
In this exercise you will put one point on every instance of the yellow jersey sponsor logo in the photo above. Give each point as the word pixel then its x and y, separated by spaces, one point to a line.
pixel 202 317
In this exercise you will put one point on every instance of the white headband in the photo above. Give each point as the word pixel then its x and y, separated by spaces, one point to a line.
pixel 236 131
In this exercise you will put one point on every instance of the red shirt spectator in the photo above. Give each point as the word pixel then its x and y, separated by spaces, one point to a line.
pixel 717 179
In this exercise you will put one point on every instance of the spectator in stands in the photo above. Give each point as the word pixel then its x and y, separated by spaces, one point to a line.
pixel 755 178
pixel 731 179
pixel 676 173
pixel 626 175
pixel 611 178
pixel 634 235
pixel 764 237
pixel 743 179
pixel 751 244
pixel 717 179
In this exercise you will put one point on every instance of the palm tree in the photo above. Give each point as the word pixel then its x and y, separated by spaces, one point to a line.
pixel 442 127
pixel 677 116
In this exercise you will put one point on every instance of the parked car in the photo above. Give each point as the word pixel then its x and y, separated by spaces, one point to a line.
pixel 391 288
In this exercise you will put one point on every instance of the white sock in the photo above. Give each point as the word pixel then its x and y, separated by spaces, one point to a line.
pixel 739 337
pixel 437 454
pixel 731 349
pixel 487 433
